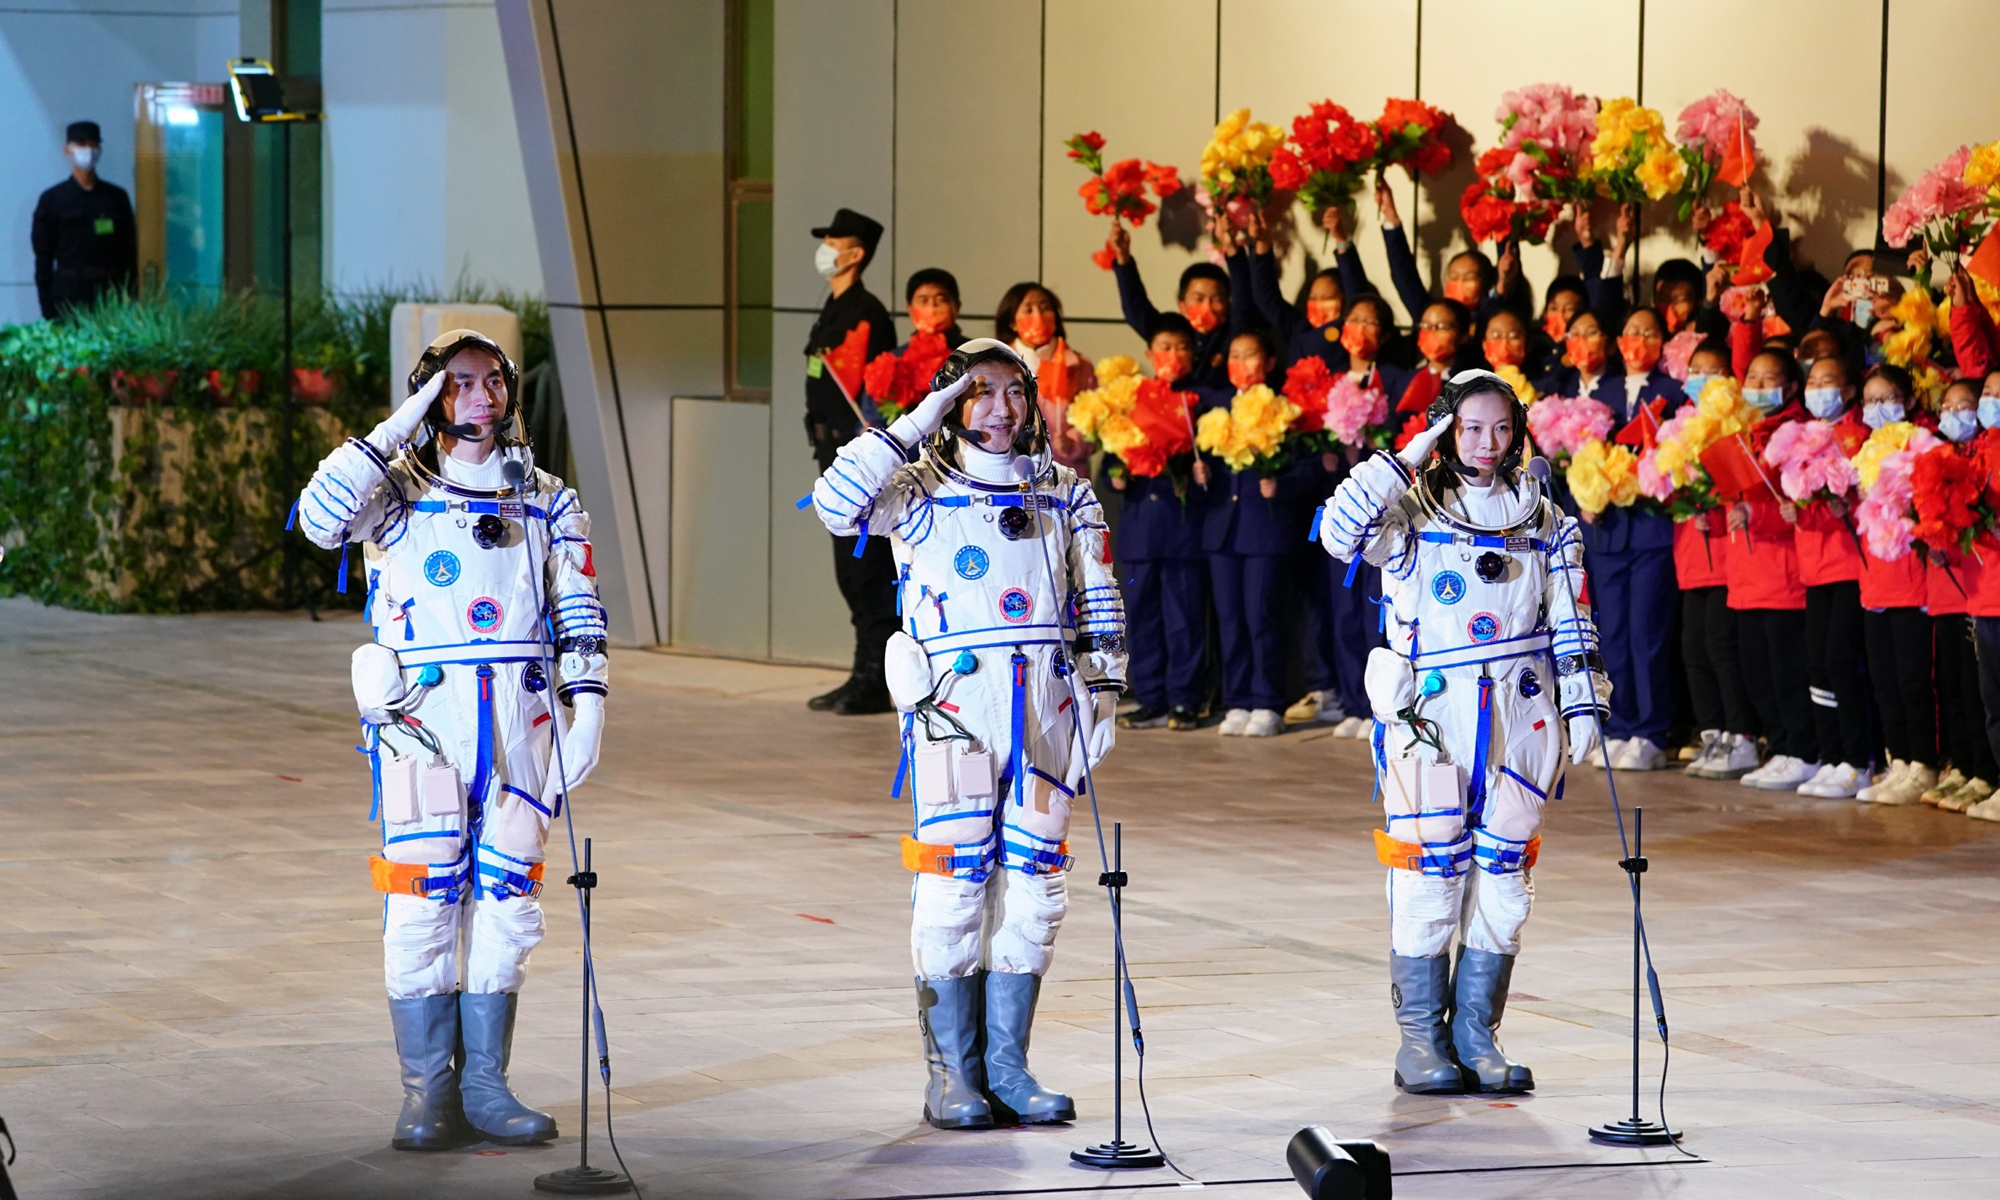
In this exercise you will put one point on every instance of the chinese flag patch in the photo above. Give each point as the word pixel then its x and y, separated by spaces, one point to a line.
pixel 589 565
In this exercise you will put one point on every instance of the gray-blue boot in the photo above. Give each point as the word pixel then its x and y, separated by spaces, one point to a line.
pixel 1010 1013
pixel 1420 988
pixel 426 1031
pixel 486 1030
pixel 948 1016
pixel 1481 992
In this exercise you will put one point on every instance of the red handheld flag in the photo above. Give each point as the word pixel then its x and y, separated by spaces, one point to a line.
pixel 1643 429
pixel 847 362
pixel 1732 467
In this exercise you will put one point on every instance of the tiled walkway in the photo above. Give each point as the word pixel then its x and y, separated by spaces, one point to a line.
pixel 190 985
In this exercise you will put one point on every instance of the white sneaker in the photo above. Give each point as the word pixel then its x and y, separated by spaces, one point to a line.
pixel 1698 766
pixel 1897 767
pixel 1787 773
pixel 1838 782
pixel 1736 758
pixel 1315 708
pixel 1264 722
pixel 1354 727
pixel 1917 779
pixel 1987 809
pixel 1233 722
pixel 1607 752
pixel 1639 754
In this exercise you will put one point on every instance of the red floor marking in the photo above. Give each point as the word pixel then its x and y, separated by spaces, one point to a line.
pixel 291 779
pixel 810 917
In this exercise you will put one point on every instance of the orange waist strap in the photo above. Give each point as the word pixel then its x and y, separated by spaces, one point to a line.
pixel 415 879
pixel 1409 856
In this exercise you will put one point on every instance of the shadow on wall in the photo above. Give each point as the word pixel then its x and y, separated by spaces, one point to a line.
pixel 1829 184
pixel 1443 233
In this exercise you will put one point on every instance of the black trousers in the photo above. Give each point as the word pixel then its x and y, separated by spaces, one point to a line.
pixel 868 584
pixel 1961 711
pixel 1833 668
pixel 1711 654
pixel 1774 669
pixel 1899 668
pixel 1986 635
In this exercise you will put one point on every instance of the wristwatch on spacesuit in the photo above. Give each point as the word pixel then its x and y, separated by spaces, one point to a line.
pixel 1572 664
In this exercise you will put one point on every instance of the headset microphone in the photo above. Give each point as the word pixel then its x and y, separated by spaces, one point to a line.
pixel 1538 468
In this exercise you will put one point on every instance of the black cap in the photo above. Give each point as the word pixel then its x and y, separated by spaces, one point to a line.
pixel 848 223
pixel 82 132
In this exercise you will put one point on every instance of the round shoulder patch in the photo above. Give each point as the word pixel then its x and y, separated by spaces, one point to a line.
pixel 970 562
pixel 441 568
pixel 1448 587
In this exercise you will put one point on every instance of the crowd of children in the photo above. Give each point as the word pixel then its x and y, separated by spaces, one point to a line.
pixel 1760 640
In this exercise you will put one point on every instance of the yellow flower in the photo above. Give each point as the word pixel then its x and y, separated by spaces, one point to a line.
pixel 1983 168
pixel 1929 383
pixel 1118 434
pixel 1912 342
pixel 1252 427
pixel 1880 445
pixel 1232 125
pixel 1601 475
pixel 1117 366
pixel 1519 382
pixel 1661 172
pixel 1646 121
pixel 1090 411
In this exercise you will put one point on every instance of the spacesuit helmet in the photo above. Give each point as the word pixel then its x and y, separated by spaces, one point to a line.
pixel 1462 387
pixel 1033 437
pixel 509 429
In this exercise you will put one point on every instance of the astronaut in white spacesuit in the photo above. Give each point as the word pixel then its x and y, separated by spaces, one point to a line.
pixel 485 610
pixel 1007 666
pixel 1491 659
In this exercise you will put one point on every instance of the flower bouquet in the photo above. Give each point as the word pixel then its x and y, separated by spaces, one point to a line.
pixel 1545 135
pixel 1142 421
pixel 1811 463
pixel 1884 468
pixel 1728 233
pixel 1119 189
pixel 1944 208
pixel 1561 425
pixel 1236 166
pixel 1327 157
pixel 1714 133
pixel 1631 157
pixel 1411 134
pixel 1671 470
pixel 1523 390
pixel 1947 489
pixel 1251 433
pixel 1908 343
pixel 898 382
pixel 1601 475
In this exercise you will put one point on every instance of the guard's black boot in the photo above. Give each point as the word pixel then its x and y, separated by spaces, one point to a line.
pixel 426 1034
pixel 1420 988
pixel 826 700
pixel 948 1015
pixel 486 1030
pixel 1481 991
pixel 1010 1012
pixel 870 694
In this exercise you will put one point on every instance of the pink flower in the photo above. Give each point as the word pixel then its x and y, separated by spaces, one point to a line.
pixel 1809 461
pixel 1652 483
pixel 1712 120
pixel 1938 194
pixel 1560 425
pixel 1679 348
pixel 1352 409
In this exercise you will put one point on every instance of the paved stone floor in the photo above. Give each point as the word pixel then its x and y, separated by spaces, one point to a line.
pixel 190 995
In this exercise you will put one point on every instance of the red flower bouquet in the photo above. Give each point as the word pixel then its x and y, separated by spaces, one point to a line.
pixel 1412 137
pixel 896 383
pixel 1119 189
pixel 1327 157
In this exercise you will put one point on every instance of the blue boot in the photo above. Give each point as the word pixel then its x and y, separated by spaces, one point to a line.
pixel 1010 1011
pixel 426 1031
pixel 1420 989
pixel 486 1030
pixel 1482 998
pixel 948 1015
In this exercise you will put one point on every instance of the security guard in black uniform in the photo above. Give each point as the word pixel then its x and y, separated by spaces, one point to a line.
pixel 867 582
pixel 86 240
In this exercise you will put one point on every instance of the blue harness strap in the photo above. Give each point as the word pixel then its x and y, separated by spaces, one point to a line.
pixel 861 543
pixel 482 771
pixel 1482 747
pixel 292 518
pixel 903 761
pixel 409 620
pixel 1019 722
pixel 803 502
pixel 1484 541
pixel 340 585
pixel 1312 530
pixel 499 508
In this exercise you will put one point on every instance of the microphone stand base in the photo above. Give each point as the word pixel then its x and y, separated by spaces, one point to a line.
pixel 583 1181
pixel 1110 1155
pixel 1634 1131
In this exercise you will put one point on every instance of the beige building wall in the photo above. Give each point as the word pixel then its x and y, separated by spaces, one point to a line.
pixel 944 120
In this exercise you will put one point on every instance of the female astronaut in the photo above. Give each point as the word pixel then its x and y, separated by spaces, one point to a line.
pixel 1006 669
pixel 1491 658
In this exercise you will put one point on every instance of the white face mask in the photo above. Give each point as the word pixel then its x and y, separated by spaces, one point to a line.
pixel 1696 381
pixel 826 260
pixel 1878 413
pixel 1766 399
pixel 1989 412
pixel 85 157
pixel 1825 402
pixel 1958 425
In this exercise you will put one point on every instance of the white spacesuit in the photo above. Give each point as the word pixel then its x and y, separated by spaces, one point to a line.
pixel 479 584
pixel 1490 657
pixel 1009 615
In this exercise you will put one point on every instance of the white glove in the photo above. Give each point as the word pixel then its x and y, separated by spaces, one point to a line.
pixel 403 424
pixel 1419 449
pixel 580 746
pixel 1097 727
pixel 1582 736
pixel 928 416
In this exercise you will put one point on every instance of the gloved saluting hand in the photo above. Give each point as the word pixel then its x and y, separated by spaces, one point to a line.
pixel 403 424
pixel 1419 449
pixel 928 416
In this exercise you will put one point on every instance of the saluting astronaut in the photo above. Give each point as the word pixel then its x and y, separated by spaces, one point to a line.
pixel 1007 666
pixel 1491 659
pixel 485 608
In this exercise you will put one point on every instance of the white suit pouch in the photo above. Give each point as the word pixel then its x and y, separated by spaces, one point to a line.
pixel 948 813
pixel 399 787
pixel 437 784
pixel 1389 682
pixel 907 669
pixel 378 682
pixel 515 828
